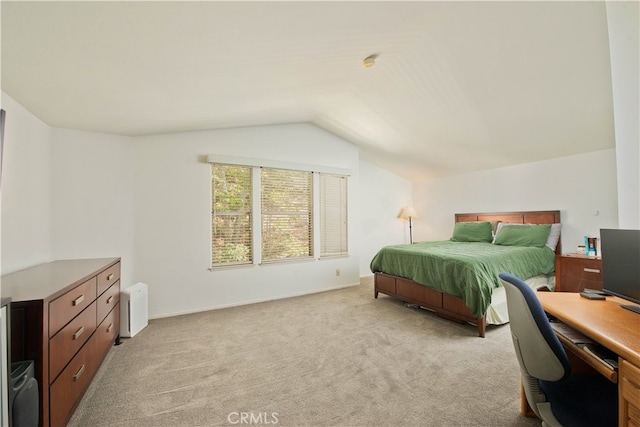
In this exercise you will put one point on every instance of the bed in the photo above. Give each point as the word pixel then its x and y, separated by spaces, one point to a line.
pixel 458 279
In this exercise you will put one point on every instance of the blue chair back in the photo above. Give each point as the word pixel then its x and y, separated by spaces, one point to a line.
pixel 538 349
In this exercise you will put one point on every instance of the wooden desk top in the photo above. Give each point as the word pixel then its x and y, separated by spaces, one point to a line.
pixel 605 321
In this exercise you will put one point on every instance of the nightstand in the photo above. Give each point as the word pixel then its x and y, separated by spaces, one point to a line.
pixel 574 272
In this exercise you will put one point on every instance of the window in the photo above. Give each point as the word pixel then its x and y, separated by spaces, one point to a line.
pixel 287 214
pixel 333 215
pixel 231 215
pixel 268 214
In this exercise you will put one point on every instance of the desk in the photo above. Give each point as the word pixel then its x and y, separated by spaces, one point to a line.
pixel 611 326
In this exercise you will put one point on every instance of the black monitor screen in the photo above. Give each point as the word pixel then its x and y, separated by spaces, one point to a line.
pixel 621 263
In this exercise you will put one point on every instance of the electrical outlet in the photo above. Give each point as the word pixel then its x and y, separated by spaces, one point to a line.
pixel 338 272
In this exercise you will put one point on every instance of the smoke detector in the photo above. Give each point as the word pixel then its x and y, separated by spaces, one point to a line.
pixel 369 61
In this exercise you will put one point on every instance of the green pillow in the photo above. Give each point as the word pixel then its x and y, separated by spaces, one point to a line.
pixel 472 232
pixel 531 235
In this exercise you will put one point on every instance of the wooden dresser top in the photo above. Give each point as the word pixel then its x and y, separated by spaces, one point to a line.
pixel 50 280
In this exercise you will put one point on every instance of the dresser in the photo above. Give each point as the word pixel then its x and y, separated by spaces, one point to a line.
pixel 65 315
pixel 575 272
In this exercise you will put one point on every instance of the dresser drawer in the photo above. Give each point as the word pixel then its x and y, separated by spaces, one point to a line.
pixel 107 331
pixel 107 301
pixel 576 272
pixel 69 305
pixel 629 383
pixel 68 341
pixel 108 277
pixel 582 268
pixel 72 382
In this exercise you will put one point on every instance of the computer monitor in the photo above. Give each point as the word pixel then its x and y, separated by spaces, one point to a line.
pixel 621 264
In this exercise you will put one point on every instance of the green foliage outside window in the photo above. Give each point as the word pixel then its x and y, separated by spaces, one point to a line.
pixel 231 214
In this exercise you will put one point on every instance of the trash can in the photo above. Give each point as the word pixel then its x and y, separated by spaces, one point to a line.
pixel 23 395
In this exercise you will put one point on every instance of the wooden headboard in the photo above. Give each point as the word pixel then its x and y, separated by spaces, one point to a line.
pixel 529 217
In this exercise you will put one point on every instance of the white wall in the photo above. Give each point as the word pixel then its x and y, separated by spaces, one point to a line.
pixel 382 196
pixel 92 203
pixel 173 218
pixel 582 187
pixel 623 19
pixel 26 189
pixel 75 194
pixel 65 194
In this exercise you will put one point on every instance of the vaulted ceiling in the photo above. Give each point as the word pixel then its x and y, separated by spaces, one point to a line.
pixel 457 86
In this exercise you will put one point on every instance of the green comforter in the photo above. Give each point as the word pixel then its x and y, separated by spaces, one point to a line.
pixel 466 270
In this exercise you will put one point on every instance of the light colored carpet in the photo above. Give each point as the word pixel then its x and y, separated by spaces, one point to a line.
pixel 338 358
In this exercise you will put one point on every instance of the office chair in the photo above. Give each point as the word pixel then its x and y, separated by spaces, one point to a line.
pixel 556 396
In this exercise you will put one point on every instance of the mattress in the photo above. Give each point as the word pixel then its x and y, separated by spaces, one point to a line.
pixel 497 313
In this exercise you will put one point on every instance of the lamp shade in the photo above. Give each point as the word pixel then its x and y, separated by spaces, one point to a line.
pixel 408 213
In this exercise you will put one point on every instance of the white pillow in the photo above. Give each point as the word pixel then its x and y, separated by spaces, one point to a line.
pixel 554 236
pixel 552 239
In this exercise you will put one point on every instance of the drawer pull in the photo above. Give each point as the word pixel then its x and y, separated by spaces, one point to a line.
pixel 591 270
pixel 109 327
pixel 78 333
pixel 109 277
pixel 77 300
pixel 78 374
pixel 110 299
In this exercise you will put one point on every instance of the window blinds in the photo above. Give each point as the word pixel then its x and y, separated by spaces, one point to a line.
pixel 287 214
pixel 333 215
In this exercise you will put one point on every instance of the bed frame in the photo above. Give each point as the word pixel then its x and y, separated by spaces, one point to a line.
pixel 449 306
